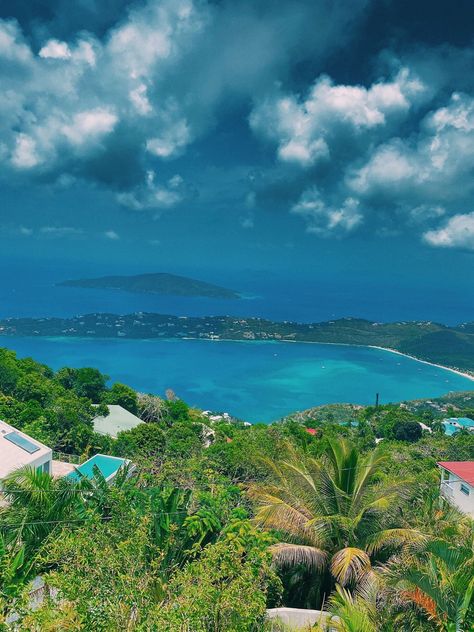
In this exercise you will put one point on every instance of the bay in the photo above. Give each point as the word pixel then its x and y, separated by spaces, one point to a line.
pixel 254 381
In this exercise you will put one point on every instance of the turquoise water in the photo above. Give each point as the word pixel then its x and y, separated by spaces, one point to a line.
pixel 255 381
pixel 464 422
pixel 108 465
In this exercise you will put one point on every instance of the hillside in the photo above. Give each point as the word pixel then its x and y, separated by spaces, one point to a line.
pixel 192 521
pixel 459 403
pixel 154 283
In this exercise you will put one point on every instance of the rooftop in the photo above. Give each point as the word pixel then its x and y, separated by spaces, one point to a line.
pixel 17 449
pixel 461 469
pixel 117 420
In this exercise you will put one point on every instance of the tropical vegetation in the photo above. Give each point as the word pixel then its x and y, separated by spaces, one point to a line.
pixel 220 520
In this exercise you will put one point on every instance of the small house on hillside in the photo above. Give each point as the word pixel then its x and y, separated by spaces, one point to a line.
pixel 457 484
pixel 18 450
pixel 117 420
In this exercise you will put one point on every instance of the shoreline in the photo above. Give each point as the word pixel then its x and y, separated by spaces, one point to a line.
pixel 465 374
pixel 469 376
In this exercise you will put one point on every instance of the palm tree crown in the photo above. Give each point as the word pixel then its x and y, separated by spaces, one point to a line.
pixel 332 512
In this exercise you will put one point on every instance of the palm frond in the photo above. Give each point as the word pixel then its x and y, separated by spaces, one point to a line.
pixel 285 554
pixel 394 538
pixel 350 614
pixel 289 520
pixel 350 564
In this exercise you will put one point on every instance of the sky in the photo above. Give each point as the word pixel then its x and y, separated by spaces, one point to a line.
pixel 306 138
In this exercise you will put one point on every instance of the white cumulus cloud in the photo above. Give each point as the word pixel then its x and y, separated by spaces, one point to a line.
pixel 434 164
pixel 458 232
pixel 54 49
pixel 90 125
pixel 323 219
pixel 305 129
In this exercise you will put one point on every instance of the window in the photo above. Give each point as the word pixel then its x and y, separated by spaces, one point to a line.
pixel 465 489
pixel 22 442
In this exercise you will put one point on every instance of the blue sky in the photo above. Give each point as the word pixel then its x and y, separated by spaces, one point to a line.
pixel 317 138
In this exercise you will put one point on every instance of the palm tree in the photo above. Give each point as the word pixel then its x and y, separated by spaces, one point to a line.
pixel 38 504
pixel 439 582
pixel 352 613
pixel 333 514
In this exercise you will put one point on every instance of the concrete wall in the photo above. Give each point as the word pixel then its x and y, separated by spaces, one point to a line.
pixel 299 618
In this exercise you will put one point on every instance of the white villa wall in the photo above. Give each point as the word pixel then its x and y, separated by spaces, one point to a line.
pixel 451 490
pixel 42 460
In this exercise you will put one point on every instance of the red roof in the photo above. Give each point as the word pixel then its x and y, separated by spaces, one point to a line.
pixel 461 469
pixel 311 431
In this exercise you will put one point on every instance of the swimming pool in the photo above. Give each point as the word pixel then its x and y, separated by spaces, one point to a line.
pixel 108 466
pixel 454 424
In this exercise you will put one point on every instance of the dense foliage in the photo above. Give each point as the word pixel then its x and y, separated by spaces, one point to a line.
pixel 221 520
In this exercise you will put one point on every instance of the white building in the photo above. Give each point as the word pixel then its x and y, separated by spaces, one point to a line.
pixel 117 420
pixel 17 450
pixel 457 484
pixel 299 619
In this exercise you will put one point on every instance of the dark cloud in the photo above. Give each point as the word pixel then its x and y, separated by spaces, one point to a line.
pixel 109 109
pixel 63 19
pixel 353 116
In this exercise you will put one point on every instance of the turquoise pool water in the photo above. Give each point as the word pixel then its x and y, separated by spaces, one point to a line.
pixel 256 381
pixel 108 465
pixel 450 428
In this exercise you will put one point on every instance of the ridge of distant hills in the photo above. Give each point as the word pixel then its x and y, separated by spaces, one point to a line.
pixel 154 283
pixel 433 342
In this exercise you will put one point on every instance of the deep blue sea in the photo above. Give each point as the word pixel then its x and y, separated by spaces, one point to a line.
pixel 253 381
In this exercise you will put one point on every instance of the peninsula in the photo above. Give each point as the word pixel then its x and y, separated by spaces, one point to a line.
pixel 452 347
pixel 155 283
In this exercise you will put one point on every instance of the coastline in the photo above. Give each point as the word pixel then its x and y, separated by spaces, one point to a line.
pixel 466 374
pixel 469 376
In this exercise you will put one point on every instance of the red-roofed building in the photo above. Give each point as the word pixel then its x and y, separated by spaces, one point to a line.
pixel 457 484
pixel 311 431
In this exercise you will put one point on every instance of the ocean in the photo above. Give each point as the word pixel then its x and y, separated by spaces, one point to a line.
pixel 255 381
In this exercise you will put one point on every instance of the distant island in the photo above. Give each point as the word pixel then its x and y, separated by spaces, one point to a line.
pixel 154 283
pixel 452 347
